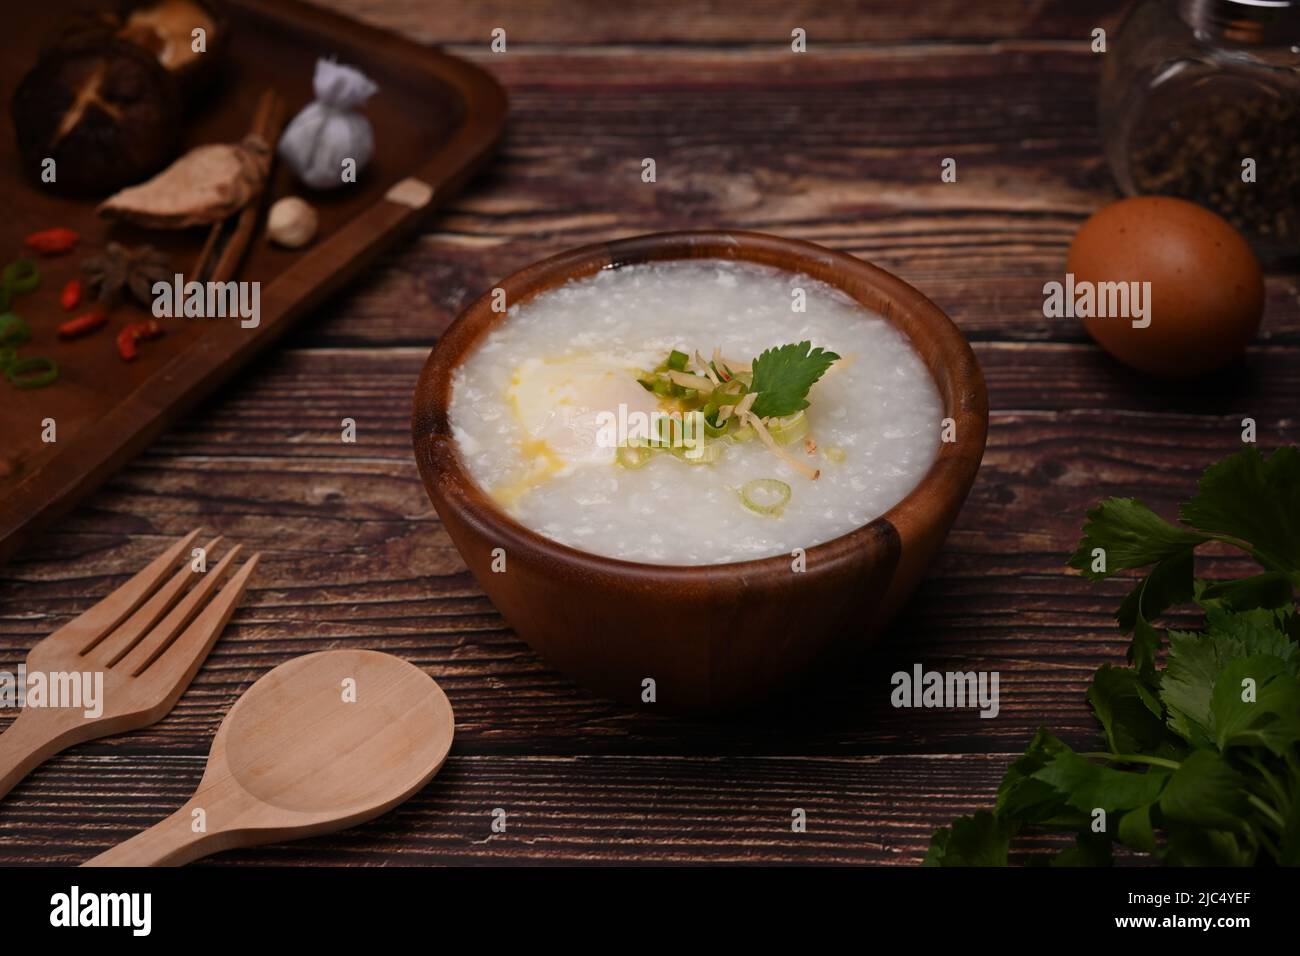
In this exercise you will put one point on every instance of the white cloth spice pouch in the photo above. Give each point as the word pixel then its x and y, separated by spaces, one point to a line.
pixel 330 131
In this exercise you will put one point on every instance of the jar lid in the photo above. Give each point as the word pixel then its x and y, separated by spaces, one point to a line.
pixel 1244 21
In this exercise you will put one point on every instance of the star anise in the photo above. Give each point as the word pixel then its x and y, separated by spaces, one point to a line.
pixel 120 270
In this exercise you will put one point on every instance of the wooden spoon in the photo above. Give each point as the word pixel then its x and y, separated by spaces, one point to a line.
pixel 320 743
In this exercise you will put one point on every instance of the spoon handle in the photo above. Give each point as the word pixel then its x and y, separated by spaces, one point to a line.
pixel 169 842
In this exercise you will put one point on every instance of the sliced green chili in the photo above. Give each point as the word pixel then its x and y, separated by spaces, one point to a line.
pixel 21 275
pixel 34 372
pixel 13 330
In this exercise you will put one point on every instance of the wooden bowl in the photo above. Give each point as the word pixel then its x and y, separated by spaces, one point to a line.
pixel 715 637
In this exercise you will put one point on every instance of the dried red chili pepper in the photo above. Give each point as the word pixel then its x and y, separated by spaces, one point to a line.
pixel 82 325
pixel 133 333
pixel 70 297
pixel 52 242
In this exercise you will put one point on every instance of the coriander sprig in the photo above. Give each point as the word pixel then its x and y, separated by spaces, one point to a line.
pixel 766 398
pixel 1202 758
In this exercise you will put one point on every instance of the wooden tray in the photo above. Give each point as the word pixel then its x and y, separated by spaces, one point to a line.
pixel 435 118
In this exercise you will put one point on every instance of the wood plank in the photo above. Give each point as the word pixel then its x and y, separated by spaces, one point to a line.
pixel 730 21
pixel 606 809
pixel 355 556
pixel 871 129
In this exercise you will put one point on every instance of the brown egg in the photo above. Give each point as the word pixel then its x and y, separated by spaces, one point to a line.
pixel 1206 286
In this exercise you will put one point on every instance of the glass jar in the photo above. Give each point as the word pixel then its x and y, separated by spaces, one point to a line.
pixel 1201 99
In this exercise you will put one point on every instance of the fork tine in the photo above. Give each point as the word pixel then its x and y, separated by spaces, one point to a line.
pixel 179 662
pixel 92 624
pixel 155 642
pixel 113 648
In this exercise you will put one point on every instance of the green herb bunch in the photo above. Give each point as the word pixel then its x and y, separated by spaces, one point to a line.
pixel 1201 764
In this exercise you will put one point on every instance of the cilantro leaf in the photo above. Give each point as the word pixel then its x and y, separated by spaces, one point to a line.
pixel 1090 849
pixel 1135 829
pixel 1238 645
pixel 1091 785
pixel 979 840
pixel 1130 715
pixel 1255 500
pixel 1290 842
pixel 1272 589
pixel 1169 584
pixel 784 375
pixel 1206 791
pixel 1255 632
pixel 1025 799
pixel 1269 717
pixel 1130 535
pixel 1187 683
pixel 1192 845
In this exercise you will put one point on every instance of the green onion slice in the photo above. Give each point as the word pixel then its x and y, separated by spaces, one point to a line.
pixel 788 429
pixel 21 275
pixel 632 456
pixel 34 372
pixel 677 360
pixel 13 330
pixel 705 454
pixel 765 496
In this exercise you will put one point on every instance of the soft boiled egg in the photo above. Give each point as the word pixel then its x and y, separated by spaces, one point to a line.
pixel 560 404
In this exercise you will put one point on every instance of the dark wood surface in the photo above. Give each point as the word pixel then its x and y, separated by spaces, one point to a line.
pixel 839 146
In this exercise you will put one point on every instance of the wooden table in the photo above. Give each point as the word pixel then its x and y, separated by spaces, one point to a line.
pixel 841 145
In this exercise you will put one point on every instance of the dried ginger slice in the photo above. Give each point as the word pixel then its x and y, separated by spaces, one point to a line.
pixel 207 184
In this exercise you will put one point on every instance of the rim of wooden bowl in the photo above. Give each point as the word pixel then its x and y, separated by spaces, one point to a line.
pixel 945 351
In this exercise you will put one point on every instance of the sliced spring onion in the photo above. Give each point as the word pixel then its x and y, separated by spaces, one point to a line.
pixel 13 330
pixel 788 429
pixel 35 372
pixel 21 275
pixel 632 456
pixel 705 454
pixel 741 434
pixel 765 496
pixel 677 360
pixel 714 427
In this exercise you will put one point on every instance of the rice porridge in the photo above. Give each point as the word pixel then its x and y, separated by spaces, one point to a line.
pixel 686 412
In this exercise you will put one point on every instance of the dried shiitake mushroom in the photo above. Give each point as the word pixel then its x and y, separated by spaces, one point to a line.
pixel 167 29
pixel 102 108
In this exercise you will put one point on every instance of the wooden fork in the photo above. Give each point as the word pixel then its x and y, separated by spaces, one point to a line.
pixel 148 639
